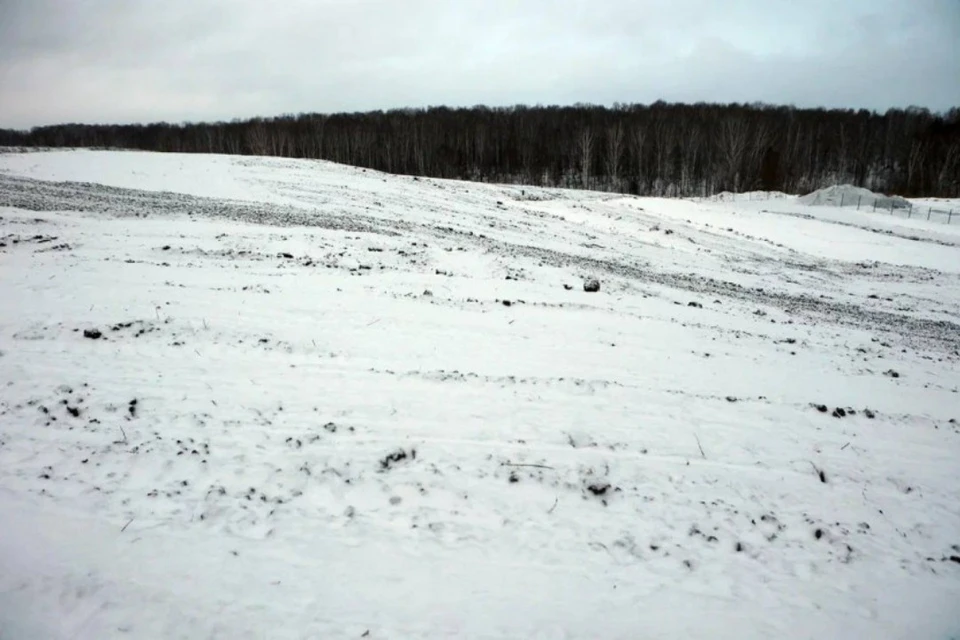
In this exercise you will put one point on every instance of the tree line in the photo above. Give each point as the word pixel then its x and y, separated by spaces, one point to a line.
pixel 660 149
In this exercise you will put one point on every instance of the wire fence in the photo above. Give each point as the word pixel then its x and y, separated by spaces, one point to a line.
pixel 902 208
pixel 878 203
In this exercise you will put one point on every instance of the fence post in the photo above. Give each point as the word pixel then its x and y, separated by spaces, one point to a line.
pixel 891 206
pixel 929 211
pixel 841 199
pixel 909 211
pixel 875 204
pixel 859 198
pixel 950 216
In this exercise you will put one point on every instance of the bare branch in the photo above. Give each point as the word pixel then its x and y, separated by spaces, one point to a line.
pixel 700 447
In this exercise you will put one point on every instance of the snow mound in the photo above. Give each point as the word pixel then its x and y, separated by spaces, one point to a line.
pixel 729 196
pixel 846 195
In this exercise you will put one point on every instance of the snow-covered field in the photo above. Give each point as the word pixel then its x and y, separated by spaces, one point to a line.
pixel 263 398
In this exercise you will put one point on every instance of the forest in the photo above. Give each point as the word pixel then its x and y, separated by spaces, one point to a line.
pixel 660 149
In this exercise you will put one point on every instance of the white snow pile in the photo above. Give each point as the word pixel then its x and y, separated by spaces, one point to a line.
pixel 267 398
pixel 748 196
pixel 847 195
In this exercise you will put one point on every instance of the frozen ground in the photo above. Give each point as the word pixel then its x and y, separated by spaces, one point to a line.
pixel 312 413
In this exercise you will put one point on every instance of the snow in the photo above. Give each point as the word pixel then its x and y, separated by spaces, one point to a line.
pixel 216 177
pixel 746 196
pixel 319 448
pixel 848 195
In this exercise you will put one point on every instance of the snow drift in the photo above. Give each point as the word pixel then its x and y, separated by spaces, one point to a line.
pixel 848 195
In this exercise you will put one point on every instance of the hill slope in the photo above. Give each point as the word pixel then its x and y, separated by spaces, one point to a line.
pixel 250 397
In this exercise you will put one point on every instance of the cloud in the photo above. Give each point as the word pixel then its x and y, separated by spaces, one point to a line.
pixel 138 60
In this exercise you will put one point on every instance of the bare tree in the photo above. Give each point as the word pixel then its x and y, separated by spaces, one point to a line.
pixel 638 137
pixel 733 145
pixel 949 175
pixel 585 151
pixel 614 155
pixel 257 138
pixel 914 163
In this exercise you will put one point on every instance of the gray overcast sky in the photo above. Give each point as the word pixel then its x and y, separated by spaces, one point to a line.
pixel 178 60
